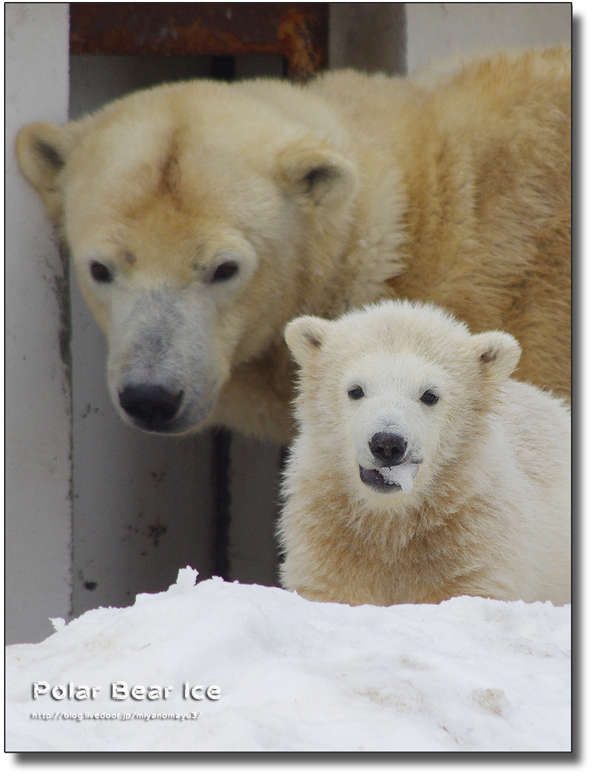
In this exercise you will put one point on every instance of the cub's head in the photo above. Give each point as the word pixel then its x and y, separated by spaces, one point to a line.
pixel 184 212
pixel 390 395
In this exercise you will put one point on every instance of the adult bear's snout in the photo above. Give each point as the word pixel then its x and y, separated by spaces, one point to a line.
pixel 387 448
pixel 151 406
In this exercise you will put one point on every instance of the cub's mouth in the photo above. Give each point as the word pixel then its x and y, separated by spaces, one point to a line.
pixel 391 479
pixel 374 479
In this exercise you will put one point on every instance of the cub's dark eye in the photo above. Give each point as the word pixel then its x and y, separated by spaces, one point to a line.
pixel 225 271
pixel 100 272
pixel 356 392
pixel 429 398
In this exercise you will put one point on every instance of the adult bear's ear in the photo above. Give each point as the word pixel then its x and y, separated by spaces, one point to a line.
pixel 305 337
pixel 42 150
pixel 497 354
pixel 317 176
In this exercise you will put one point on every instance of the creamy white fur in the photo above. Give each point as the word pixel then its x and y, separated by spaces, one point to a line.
pixel 489 511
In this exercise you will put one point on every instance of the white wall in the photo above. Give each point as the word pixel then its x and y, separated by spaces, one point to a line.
pixel 38 400
pixel 440 30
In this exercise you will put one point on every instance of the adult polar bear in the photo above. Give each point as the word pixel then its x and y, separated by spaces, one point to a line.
pixel 202 217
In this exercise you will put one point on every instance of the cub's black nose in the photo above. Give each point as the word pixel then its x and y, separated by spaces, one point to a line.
pixel 388 449
pixel 150 405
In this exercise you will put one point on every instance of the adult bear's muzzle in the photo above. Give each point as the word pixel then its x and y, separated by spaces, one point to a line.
pixel 150 406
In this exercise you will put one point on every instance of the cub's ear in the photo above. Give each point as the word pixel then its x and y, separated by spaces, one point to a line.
pixel 497 353
pixel 42 150
pixel 317 176
pixel 305 336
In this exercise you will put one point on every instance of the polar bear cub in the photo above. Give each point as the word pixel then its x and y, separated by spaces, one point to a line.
pixel 421 470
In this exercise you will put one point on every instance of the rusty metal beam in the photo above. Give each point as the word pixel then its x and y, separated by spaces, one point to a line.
pixel 298 32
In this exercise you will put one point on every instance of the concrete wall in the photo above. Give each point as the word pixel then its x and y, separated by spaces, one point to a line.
pixel 38 399
pixel 440 30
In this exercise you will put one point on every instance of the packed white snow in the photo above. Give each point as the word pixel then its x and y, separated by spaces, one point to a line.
pixel 403 475
pixel 238 667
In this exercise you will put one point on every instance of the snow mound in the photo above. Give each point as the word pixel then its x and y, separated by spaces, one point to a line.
pixel 286 674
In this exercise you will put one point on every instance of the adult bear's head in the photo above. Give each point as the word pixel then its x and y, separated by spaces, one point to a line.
pixel 197 216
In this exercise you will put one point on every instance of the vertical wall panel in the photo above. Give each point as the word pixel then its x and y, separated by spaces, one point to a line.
pixel 254 478
pixel 38 402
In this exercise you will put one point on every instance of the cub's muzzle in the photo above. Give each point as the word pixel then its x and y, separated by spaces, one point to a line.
pixel 387 448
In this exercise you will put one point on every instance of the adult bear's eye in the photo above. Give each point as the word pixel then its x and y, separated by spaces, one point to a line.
pixel 100 272
pixel 225 271
pixel 429 397
pixel 356 392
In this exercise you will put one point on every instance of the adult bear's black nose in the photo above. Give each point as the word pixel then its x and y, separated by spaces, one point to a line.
pixel 151 405
pixel 387 448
